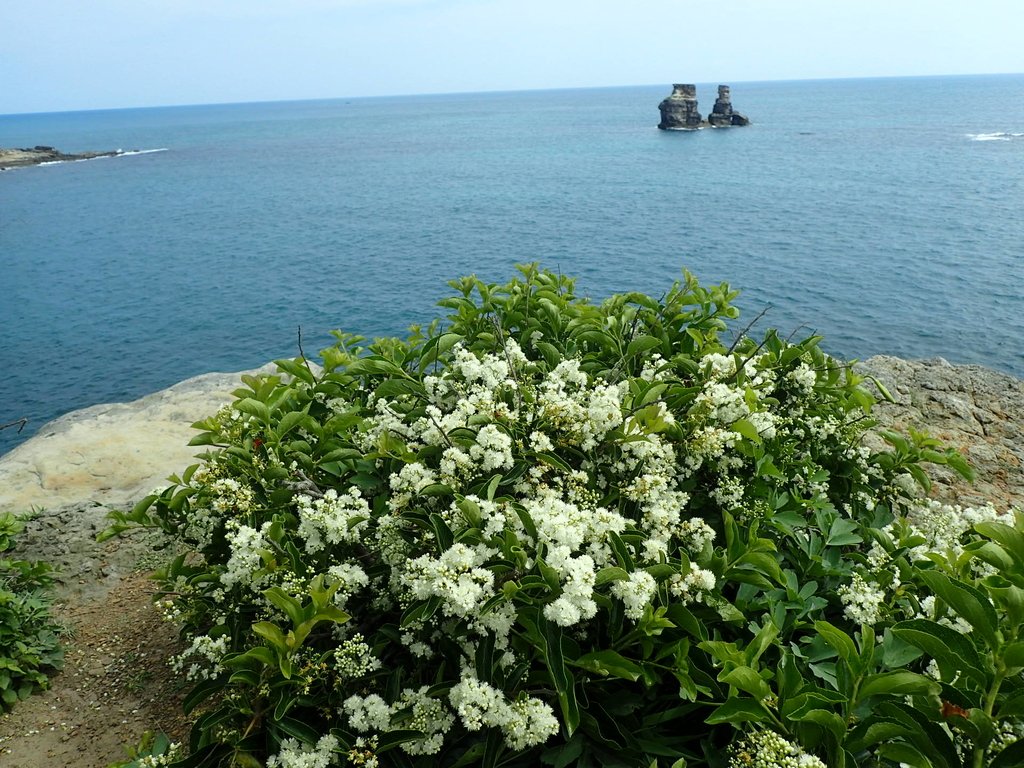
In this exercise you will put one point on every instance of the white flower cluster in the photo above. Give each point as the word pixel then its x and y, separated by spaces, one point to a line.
pixel 584 413
pixel 295 754
pixel 943 526
pixel 333 519
pixel 407 482
pixel 525 722
pixel 231 497
pixel 353 658
pixel 247 548
pixel 420 712
pixel 767 749
pixel 690 587
pixel 803 378
pixel 635 592
pixel 205 653
pixel 171 755
pixel 577 576
pixel 350 579
pixel 496 397
pixel 862 600
pixel 456 577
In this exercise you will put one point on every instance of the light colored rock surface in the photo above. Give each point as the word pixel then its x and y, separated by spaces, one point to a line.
pixel 978 411
pixel 111 454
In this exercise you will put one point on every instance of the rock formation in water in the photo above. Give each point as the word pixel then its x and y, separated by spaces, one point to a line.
pixel 679 110
pixel 722 114
pixel 16 158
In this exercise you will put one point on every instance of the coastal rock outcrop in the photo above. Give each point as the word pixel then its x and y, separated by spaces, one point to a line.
pixel 977 411
pixel 17 158
pixel 680 112
pixel 722 114
pixel 114 453
pixel 679 109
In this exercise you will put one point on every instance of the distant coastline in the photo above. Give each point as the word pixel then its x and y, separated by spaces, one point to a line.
pixel 41 155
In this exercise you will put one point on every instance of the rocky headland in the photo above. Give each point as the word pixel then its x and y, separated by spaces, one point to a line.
pixel 680 111
pixel 19 158
pixel 116 684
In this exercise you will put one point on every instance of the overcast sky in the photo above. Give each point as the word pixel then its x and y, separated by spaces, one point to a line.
pixel 60 55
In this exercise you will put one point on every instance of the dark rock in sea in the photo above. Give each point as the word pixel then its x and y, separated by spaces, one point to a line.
pixel 721 114
pixel 679 110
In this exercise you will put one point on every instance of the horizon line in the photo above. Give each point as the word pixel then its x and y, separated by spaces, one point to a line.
pixel 184 105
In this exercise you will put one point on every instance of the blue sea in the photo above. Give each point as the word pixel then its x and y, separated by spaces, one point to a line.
pixel 885 214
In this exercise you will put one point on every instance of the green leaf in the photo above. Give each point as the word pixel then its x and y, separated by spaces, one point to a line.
pixel 830 721
pixel 561 677
pixel 272 634
pixel 1010 538
pixel 297 729
pixel 201 692
pixel 898 683
pixel 875 731
pixel 747 430
pixel 737 710
pixel 972 604
pixel 438 347
pixel 291 607
pixel 843 533
pixel 1013 654
pixel 903 753
pixel 953 651
pixel 376 366
pixel 641 344
pixel 289 421
pixel 607 575
pixel 747 680
pixel 610 663
pixel 1010 757
pixel 839 640
pixel 254 408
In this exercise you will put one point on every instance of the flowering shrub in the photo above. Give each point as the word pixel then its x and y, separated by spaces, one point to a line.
pixel 568 533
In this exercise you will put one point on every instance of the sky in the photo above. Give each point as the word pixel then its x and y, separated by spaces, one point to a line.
pixel 63 55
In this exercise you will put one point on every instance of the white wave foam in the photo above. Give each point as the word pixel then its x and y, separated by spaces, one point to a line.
pixel 998 136
pixel 141 151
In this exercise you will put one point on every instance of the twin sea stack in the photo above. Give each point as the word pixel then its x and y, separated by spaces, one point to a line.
pixel 679 110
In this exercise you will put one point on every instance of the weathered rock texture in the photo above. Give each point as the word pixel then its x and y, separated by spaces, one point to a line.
pixel 722 114
pixel 114 453
pixel 679 110
pixel 978 411
pixel 16 158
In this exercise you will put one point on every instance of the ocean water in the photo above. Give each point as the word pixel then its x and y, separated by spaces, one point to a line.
pixel 886 214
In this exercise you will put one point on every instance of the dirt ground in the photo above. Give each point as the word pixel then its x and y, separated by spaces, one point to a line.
pixel 116 683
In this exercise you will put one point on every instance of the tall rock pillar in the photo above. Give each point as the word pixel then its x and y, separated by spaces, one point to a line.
pixel 722 114
pixel 679 110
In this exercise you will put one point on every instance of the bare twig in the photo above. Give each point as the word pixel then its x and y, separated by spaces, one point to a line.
pixel 305 485
pixel 19 422
pixel 742 334
pixel 302 354
pixel 508 359
pixel 795 330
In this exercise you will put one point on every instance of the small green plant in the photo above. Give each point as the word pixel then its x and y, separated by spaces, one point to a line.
pixel 153 750
pixel 548 531
pixel 29 637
